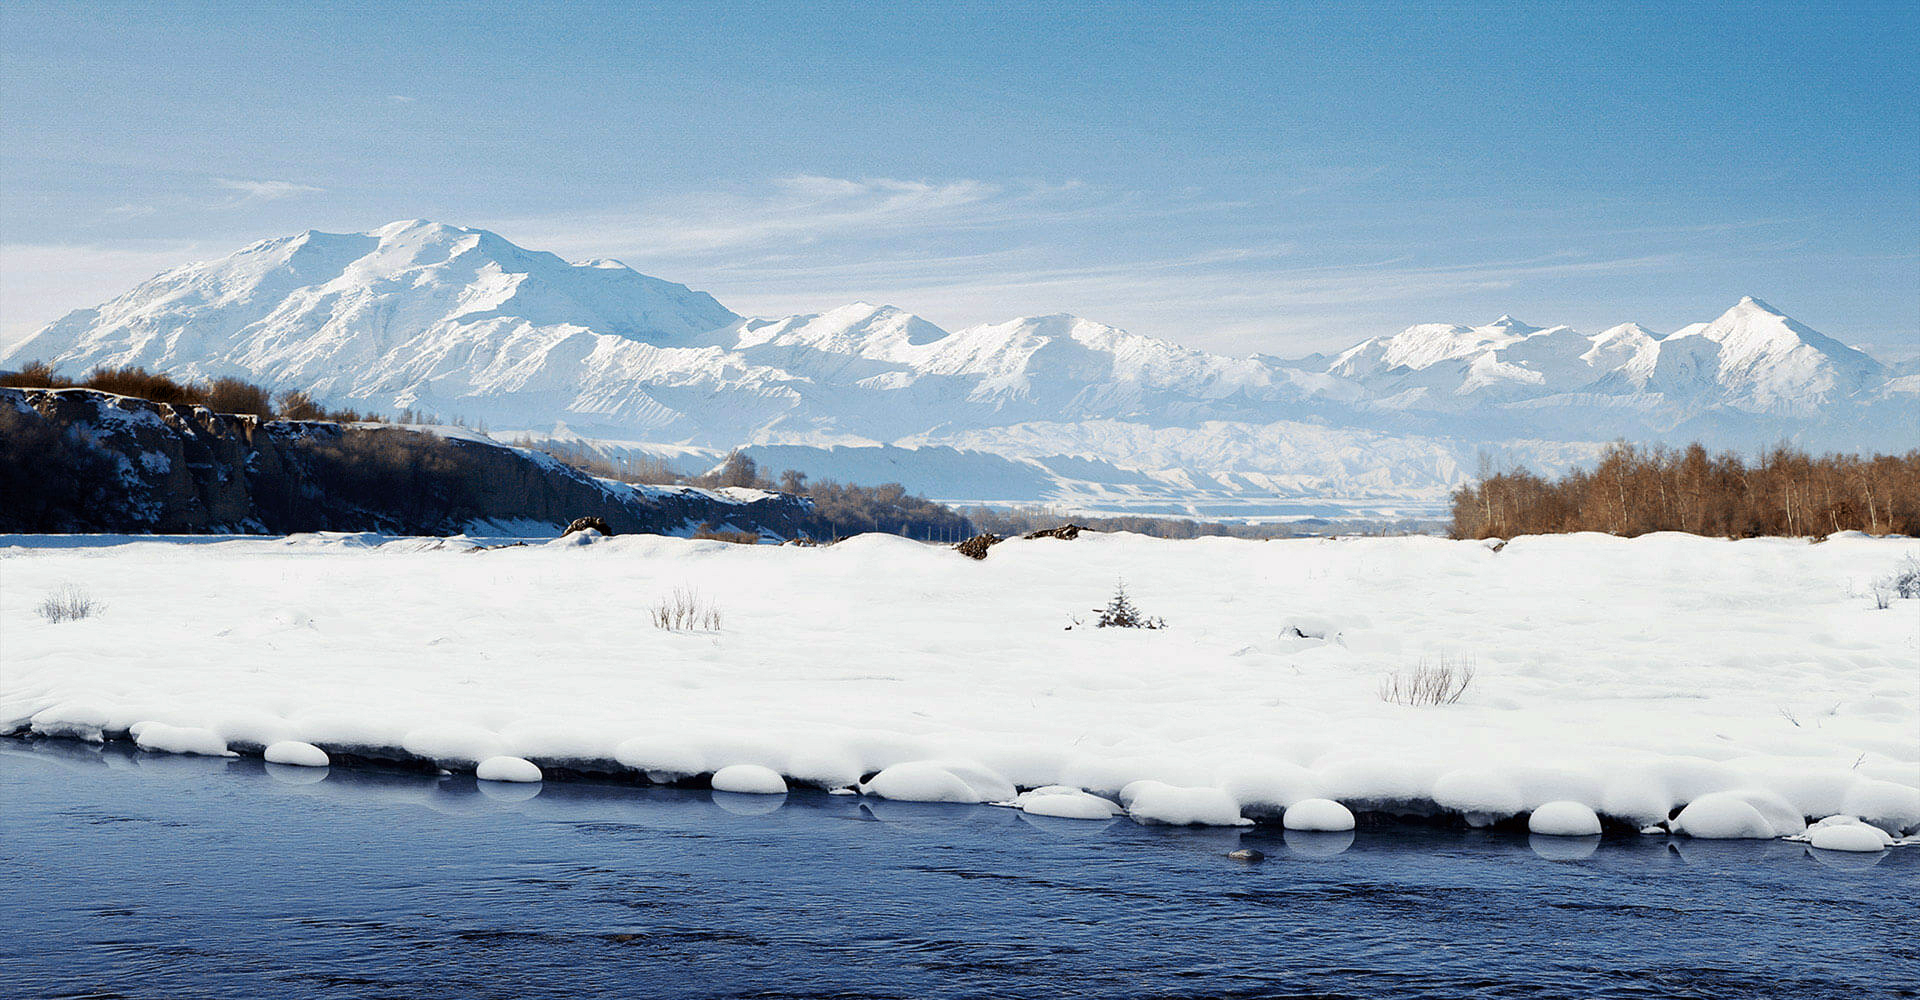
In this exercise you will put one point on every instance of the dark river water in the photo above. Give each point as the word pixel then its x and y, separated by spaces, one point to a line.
pixel 126 874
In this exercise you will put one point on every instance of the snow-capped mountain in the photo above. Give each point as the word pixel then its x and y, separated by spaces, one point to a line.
pixel 461 322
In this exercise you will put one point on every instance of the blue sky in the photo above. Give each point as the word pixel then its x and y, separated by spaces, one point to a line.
pixel 1241 178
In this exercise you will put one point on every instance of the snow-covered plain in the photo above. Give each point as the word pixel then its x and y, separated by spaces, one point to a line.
pixel 1753 681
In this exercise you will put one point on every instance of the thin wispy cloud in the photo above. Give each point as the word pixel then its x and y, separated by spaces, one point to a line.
pixel 265 190
pixel 967 251
pixel 796 210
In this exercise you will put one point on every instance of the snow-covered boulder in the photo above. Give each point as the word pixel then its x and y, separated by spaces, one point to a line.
pixel 296 753
pixel 749 779
pixel 1156 802
pixel 160 737
pixel 1564 819
pixel 1743 814
pixel 504 768
pixel 1856 837
pixel 940 781
pixel 1318 815
pixel 1065 802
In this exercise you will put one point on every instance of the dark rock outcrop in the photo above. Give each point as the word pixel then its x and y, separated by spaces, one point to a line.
pixel 78 460
pixel 588 524
pixel 977 546
pixel 1066 532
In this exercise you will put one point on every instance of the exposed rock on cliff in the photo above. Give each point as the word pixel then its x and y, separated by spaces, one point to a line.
pixel 81 460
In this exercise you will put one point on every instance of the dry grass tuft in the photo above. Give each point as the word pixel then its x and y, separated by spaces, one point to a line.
pixel 1440 682
pixel 68 604
pixel 686 611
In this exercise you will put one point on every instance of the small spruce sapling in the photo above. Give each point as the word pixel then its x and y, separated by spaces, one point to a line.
pixel 1120 612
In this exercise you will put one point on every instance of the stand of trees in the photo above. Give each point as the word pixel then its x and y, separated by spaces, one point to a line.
pixel 1634 490
pixel 221 395
pixel 844 509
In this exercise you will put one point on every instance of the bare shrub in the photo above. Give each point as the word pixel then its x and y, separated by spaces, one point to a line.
pixel 34 375
pixel 1433 682
pixel 221 395
pixel 685 610
pixel 68 604
pixel 1905 579
pixel 231 395
pixel 1902 583
pixel 715 533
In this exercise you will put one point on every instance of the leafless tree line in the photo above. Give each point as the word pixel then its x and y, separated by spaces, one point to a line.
pixel 1634 490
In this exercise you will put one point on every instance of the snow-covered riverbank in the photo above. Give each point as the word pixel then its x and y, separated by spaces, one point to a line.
pixel 1633 676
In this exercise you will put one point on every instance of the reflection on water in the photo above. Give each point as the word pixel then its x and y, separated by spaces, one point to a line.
pixel 155 875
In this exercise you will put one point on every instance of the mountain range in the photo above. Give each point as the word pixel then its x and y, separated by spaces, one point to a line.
pixel 461 322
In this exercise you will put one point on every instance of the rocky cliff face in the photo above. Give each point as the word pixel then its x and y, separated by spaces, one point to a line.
pixel 81 460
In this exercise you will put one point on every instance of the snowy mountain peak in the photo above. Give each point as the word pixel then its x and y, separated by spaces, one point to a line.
pixel 459 321
pixel 401 227
pixel 413 313
pixel 1757 358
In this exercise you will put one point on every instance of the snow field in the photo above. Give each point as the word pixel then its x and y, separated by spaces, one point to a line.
pixel 1748 685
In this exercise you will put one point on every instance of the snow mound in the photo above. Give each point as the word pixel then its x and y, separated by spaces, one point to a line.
pixel 1564 819
pixel 749 779
pixel 1849 835
pixel 504 768
pixel 296 753
pixel 1066 803
pixel 1318 816
pixel 1157 802
pixel 940 781
pixel 71 720
pixel 1745 814
pixel 1885 804
pixel 1483 797
pixel 1267 788
pixel 159 736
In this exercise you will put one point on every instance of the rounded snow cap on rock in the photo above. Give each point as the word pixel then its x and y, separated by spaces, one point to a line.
pixel 1150 801
pixel 749 779
pixel 1845 833
pixel 296 753
pixel 921 781
pixel 1723 816
pixel 1564 819
pixel 507 769
pixel 1062 802
pixel 1323 815
pixel 160 737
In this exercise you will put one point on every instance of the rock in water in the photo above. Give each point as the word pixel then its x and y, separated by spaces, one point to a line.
pixel 1247 854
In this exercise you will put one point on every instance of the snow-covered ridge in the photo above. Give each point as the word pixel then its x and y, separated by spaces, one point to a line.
pixel 1749 686
pixel 462 322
